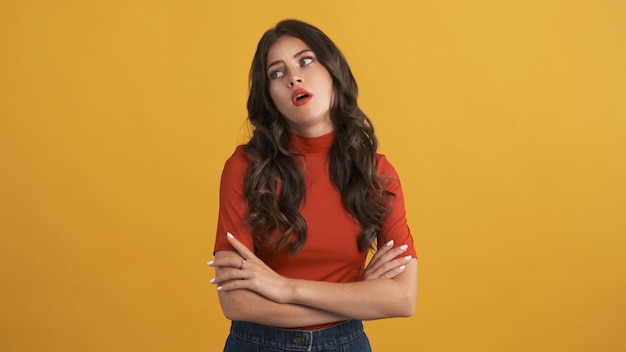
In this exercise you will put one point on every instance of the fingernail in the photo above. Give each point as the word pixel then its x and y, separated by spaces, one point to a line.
pixel 408 257
pixel 219 288
pixel 401 267
pixel 210 263
pixel 212 280
pixel 229 235
pixel 404 246
pixel 390 243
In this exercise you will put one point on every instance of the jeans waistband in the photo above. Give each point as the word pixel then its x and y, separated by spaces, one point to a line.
pixel 297 340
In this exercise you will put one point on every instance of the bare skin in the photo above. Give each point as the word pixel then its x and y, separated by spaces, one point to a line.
pixel 249 290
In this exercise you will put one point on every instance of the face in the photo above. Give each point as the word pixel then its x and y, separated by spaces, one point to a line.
pixel 300 86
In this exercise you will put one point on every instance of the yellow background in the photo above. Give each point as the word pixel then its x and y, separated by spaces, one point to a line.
pixel 505 119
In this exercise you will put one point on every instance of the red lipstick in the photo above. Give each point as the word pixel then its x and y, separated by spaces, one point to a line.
pixel 301 96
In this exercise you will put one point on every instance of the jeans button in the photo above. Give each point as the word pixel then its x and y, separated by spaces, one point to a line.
pixel 299 341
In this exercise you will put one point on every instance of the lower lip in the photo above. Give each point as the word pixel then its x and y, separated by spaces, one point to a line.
pixel 302 101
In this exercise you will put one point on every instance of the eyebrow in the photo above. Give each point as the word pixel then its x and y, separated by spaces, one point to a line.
pixel 298 54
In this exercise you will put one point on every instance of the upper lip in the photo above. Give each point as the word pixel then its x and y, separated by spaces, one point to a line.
pixel 300 93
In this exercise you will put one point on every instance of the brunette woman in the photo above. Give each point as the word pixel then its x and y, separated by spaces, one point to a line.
pixel 303 202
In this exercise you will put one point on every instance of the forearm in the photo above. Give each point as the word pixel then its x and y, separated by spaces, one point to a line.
pixel 365 300
pixel 249 306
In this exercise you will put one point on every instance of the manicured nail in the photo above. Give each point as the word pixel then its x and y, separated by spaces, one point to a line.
pixel 389 244
pixel 404 246
pixel 210 263
pixel 401 267
pixel 229 235
pixel 408 257
pixel 219 288
pixel 212 280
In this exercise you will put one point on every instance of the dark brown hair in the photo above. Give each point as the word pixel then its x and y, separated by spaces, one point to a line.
pixel 274 186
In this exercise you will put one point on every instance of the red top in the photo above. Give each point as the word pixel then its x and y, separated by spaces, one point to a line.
pixel 330 252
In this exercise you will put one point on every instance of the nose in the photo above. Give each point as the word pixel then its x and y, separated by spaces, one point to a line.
pixel 294 79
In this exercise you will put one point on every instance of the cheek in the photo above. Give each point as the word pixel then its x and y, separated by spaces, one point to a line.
pixel 328 82
pixel 275 94
pixel 278 98
pixel 331 91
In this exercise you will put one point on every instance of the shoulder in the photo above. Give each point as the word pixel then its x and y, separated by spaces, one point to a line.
pixel 384 167
pixel 388 175
pixel 237 164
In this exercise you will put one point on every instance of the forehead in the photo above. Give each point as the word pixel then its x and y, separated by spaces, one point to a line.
pixel 285 48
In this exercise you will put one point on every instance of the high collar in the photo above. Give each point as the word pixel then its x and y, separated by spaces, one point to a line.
pixel 311 145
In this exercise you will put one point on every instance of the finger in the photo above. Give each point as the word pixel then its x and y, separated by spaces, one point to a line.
pixel 394 265
pixel 391 254
pixel 381 251
pixel 396 251
pixel 384 268
pixel 240 247
pixel 394 272
pixel 234 285
pixel 385 255
pixel 231 275
pixel 226 261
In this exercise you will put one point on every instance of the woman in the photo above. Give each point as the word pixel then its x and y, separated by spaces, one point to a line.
pixel 302 203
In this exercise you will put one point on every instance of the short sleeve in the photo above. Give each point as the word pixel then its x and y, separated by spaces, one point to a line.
pixel 232 203
pixel 395 226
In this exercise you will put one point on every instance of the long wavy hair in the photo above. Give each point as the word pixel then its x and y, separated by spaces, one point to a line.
pixel 274 185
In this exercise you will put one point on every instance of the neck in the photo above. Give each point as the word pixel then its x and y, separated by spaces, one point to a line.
pixel 311 145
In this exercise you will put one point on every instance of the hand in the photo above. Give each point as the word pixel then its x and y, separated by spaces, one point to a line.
pixel 249 272
pixel 383 265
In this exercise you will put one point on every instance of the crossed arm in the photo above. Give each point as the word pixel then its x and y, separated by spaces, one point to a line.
pixel 251 291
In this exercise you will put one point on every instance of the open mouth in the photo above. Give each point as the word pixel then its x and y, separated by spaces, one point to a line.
pixel 301 97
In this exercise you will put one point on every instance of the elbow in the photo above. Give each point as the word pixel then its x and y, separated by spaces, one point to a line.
pixel 407 308
pixel 230 307
pixel 235 314
pixel 408 298
pixel 408 311
pixel 230 314
pixel 407 302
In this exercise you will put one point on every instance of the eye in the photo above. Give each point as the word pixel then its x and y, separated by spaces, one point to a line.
pixel 276 74
pixel 305 61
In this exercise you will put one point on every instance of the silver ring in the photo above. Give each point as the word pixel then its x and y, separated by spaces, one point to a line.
pixel 241 266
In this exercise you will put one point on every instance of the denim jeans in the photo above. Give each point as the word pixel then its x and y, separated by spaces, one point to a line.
pixel 252 337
